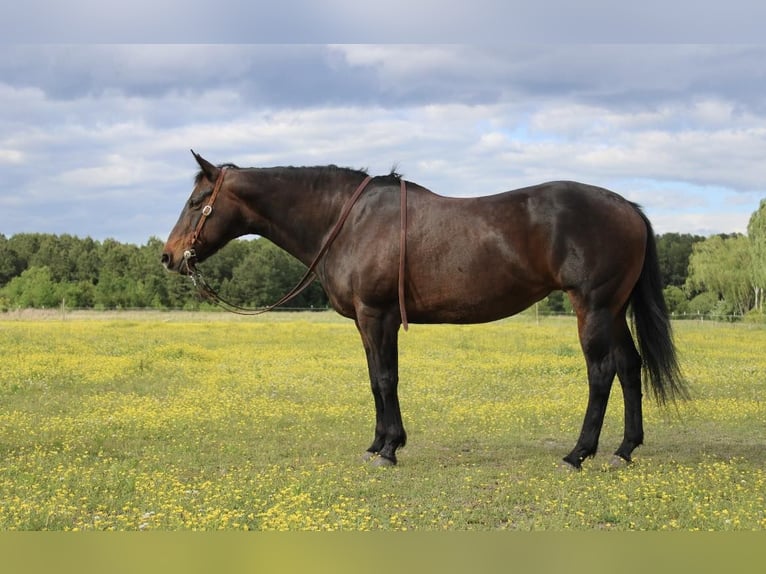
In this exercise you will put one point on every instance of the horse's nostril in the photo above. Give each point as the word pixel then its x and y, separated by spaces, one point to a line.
pixel 165 259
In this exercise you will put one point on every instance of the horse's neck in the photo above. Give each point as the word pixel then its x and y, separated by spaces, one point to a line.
pixel 297 214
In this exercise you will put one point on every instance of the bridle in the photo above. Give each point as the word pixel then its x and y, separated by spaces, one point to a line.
pixel 208 292
pixel 190 253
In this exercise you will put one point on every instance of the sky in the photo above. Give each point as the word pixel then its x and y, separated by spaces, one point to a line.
pixel 95 137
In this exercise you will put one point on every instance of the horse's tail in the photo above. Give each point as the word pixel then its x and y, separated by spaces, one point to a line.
pixel 651 323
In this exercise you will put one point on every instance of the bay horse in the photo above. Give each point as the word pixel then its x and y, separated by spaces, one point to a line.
pixel 468 260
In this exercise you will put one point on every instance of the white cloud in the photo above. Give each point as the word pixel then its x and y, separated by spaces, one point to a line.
pixel 10 156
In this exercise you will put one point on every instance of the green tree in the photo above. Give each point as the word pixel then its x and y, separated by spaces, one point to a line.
pixel 118 279
pixel 87 261
pixel 219 269
pixel 10 262
pixel 58 254
pixel 703 304
pixel 756 232
pixel 33 288
pixel 673 252
pixel 265 274
pixel 722 265
pixel 676 300
pixel 77 294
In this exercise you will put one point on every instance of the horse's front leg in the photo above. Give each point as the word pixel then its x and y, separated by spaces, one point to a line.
pixel 379 331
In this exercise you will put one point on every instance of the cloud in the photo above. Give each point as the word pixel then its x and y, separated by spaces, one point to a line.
pixel 11 156
pixel 97 137
pixel 614 76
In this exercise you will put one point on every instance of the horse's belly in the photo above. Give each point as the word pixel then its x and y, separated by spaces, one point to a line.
pixel 454 302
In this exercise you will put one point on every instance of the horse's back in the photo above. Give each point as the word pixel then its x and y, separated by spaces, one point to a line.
pixel 537 227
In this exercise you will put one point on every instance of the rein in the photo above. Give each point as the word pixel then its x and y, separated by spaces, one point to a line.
pixel 204 288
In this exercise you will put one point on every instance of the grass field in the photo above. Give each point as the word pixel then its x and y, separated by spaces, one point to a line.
pixel 211 421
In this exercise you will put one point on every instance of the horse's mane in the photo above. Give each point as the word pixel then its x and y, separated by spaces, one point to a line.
pixel 317 170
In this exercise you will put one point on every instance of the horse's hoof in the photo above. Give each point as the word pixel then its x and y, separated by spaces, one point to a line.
pixel 368 456
pixel 567 466
pixel 383 462
pixel 617 462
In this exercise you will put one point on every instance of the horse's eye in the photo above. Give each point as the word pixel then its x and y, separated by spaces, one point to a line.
pixel 197 199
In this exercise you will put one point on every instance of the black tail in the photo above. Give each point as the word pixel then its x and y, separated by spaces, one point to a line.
pixel 653 331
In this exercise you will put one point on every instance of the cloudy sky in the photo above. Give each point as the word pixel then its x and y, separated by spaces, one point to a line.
pixel 95 138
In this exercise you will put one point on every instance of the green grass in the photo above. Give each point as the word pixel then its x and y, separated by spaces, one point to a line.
pixel 209 421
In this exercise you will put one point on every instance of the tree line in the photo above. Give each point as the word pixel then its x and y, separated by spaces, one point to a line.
pixel 45 271
pixel 721 275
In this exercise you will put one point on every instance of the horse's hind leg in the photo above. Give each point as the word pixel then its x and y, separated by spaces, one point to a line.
pixel 595 329
pixel 628 363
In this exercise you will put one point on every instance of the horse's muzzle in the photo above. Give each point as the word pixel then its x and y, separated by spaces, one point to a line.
pixel 184 264
pixel 167 261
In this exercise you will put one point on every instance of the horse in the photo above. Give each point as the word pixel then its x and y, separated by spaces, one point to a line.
pixel 386 258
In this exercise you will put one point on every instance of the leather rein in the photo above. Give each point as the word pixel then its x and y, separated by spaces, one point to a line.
pixel 209 293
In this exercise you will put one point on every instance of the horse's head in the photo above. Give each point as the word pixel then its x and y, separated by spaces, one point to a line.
pixel 209 220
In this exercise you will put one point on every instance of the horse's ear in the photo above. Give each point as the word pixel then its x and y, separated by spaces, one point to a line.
pixel 211 172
